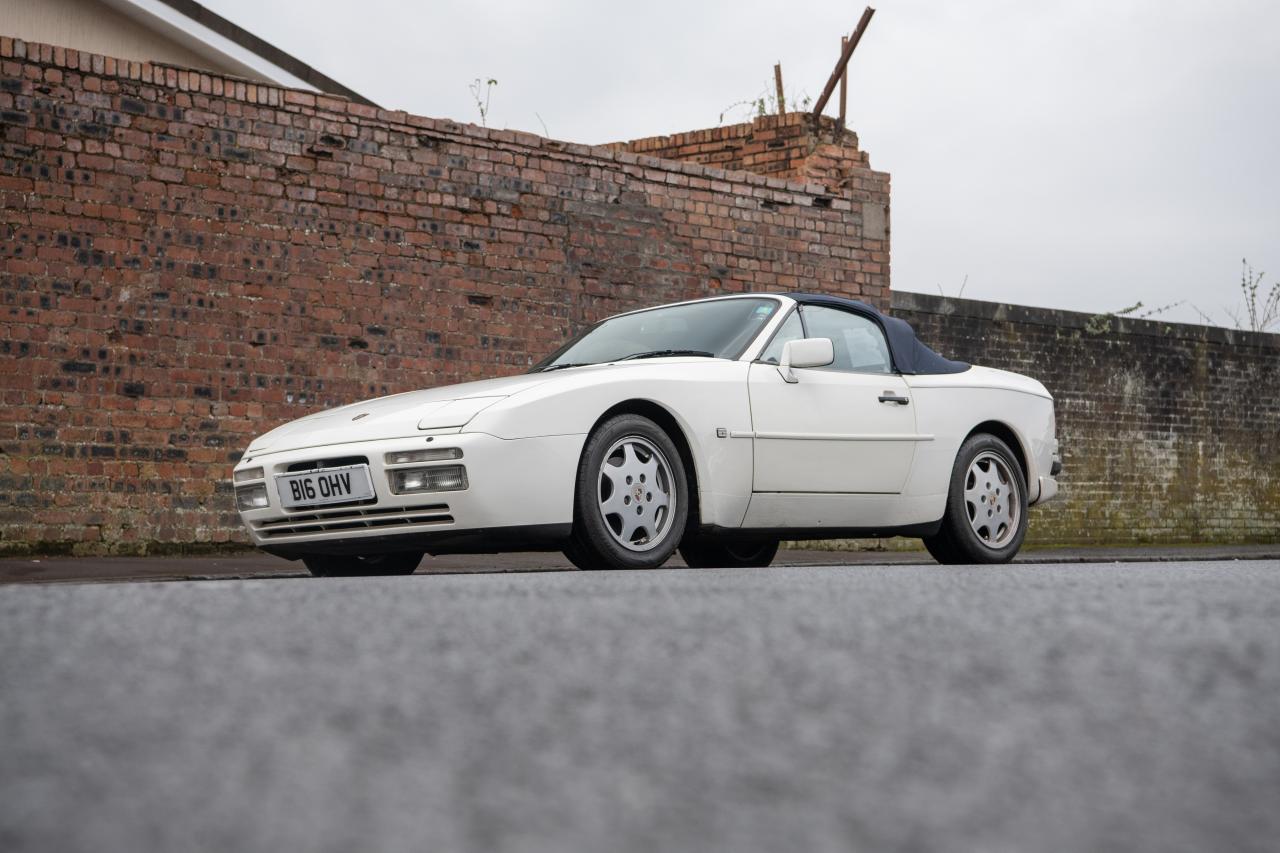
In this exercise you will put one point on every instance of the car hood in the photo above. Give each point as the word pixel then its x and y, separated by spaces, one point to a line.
pixel 394 416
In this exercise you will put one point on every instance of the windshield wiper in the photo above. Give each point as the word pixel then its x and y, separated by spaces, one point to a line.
pixel 663 353
pixel 551 367
pixel 657 353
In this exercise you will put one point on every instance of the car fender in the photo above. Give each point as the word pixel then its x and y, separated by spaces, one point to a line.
pixel 707 398
pixel 950 407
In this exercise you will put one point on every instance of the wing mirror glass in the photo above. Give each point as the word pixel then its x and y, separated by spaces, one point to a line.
pixel 806 352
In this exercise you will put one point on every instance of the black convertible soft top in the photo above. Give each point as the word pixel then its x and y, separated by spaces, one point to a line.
pixel 910 356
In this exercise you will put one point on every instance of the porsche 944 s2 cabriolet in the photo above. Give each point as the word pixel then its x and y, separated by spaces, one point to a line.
pixel 717 427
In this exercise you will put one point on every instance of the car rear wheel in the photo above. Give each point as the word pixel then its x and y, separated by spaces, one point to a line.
pixel 632 497
pixel 714 554
pixel 986 517
pixel 356 566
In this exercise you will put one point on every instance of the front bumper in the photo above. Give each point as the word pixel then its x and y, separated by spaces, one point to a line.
pixel 519 493
pixel 1048 489
pixel 1049 485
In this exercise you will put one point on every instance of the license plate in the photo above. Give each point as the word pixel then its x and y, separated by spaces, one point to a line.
pixel 325 486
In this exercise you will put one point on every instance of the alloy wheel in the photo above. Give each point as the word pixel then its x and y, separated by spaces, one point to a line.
pixel 636 494
pixel 992 500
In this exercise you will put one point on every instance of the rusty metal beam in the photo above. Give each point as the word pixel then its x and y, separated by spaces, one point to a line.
pixel 838 72
pixel 844 82
pixel 777 81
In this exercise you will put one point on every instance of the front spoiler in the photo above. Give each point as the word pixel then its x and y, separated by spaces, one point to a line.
pixel 493 540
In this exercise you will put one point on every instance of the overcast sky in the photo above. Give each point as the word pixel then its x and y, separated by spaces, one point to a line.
pixel 1084 155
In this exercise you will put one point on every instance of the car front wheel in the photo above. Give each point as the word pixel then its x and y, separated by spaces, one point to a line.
pixel 631 499
pixel 336 566
pixel 986 516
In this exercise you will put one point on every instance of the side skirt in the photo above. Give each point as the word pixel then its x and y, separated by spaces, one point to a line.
pixel 913 531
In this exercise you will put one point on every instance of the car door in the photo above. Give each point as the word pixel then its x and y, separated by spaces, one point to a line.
pixel 846 428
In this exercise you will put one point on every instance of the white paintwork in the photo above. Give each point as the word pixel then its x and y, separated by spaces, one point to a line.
pixel 950 406
pixel 529 480
pixel 395 416
pixel 827 432
pixel 812 512
pixel 1048 489
pixel 455 413
pixel 700 394
pixel 823 452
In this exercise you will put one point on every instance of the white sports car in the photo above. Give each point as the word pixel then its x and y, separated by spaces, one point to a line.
pixel 718 427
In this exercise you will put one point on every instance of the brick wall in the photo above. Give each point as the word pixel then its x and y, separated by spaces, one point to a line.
pixel 188 259
pixel 782 146
pixel 1170 433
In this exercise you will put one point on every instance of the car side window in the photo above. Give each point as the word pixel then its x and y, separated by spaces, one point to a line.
pixel 790 330
pixel 858 341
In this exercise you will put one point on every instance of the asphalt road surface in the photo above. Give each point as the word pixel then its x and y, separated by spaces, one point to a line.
pixel 255 564
pixel 1026 708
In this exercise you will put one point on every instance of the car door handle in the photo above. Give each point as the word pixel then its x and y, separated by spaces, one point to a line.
pixel 890 397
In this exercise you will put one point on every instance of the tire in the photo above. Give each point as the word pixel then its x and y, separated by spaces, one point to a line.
pixel 628 462
pixel 986 516
pixel 701 553
pixel 940 549
pixel 362 566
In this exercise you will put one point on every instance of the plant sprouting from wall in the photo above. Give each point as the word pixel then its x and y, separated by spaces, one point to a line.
pixel 764 104
pixel 481 91
pixel 963 285
pixel 1100 324
pixel 1261 309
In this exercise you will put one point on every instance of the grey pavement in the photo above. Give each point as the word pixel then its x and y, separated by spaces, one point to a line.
pixel 1023 708
pixel 255 564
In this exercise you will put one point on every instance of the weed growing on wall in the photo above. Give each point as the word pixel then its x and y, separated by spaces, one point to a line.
pixel 481 91
pixel 1100 324
pixel 1261 308
pixel 764 104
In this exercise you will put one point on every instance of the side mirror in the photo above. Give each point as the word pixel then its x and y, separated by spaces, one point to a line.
pixel 806 352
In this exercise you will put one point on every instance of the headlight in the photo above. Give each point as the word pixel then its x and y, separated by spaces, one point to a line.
pixel 455 413
pixel 438 478
pixel 247 474
pixel 252 497
pixel 431 454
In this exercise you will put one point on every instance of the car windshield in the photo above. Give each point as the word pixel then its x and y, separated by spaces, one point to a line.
pixel 718 328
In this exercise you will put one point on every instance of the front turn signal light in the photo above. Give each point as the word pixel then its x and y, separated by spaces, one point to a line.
pixel 427 454
pixel 252 497
pixel 437 478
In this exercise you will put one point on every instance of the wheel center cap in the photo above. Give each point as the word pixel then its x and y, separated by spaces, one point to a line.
pixel 637 494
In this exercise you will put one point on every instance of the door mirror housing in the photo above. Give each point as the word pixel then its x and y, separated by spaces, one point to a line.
pixel 806 352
